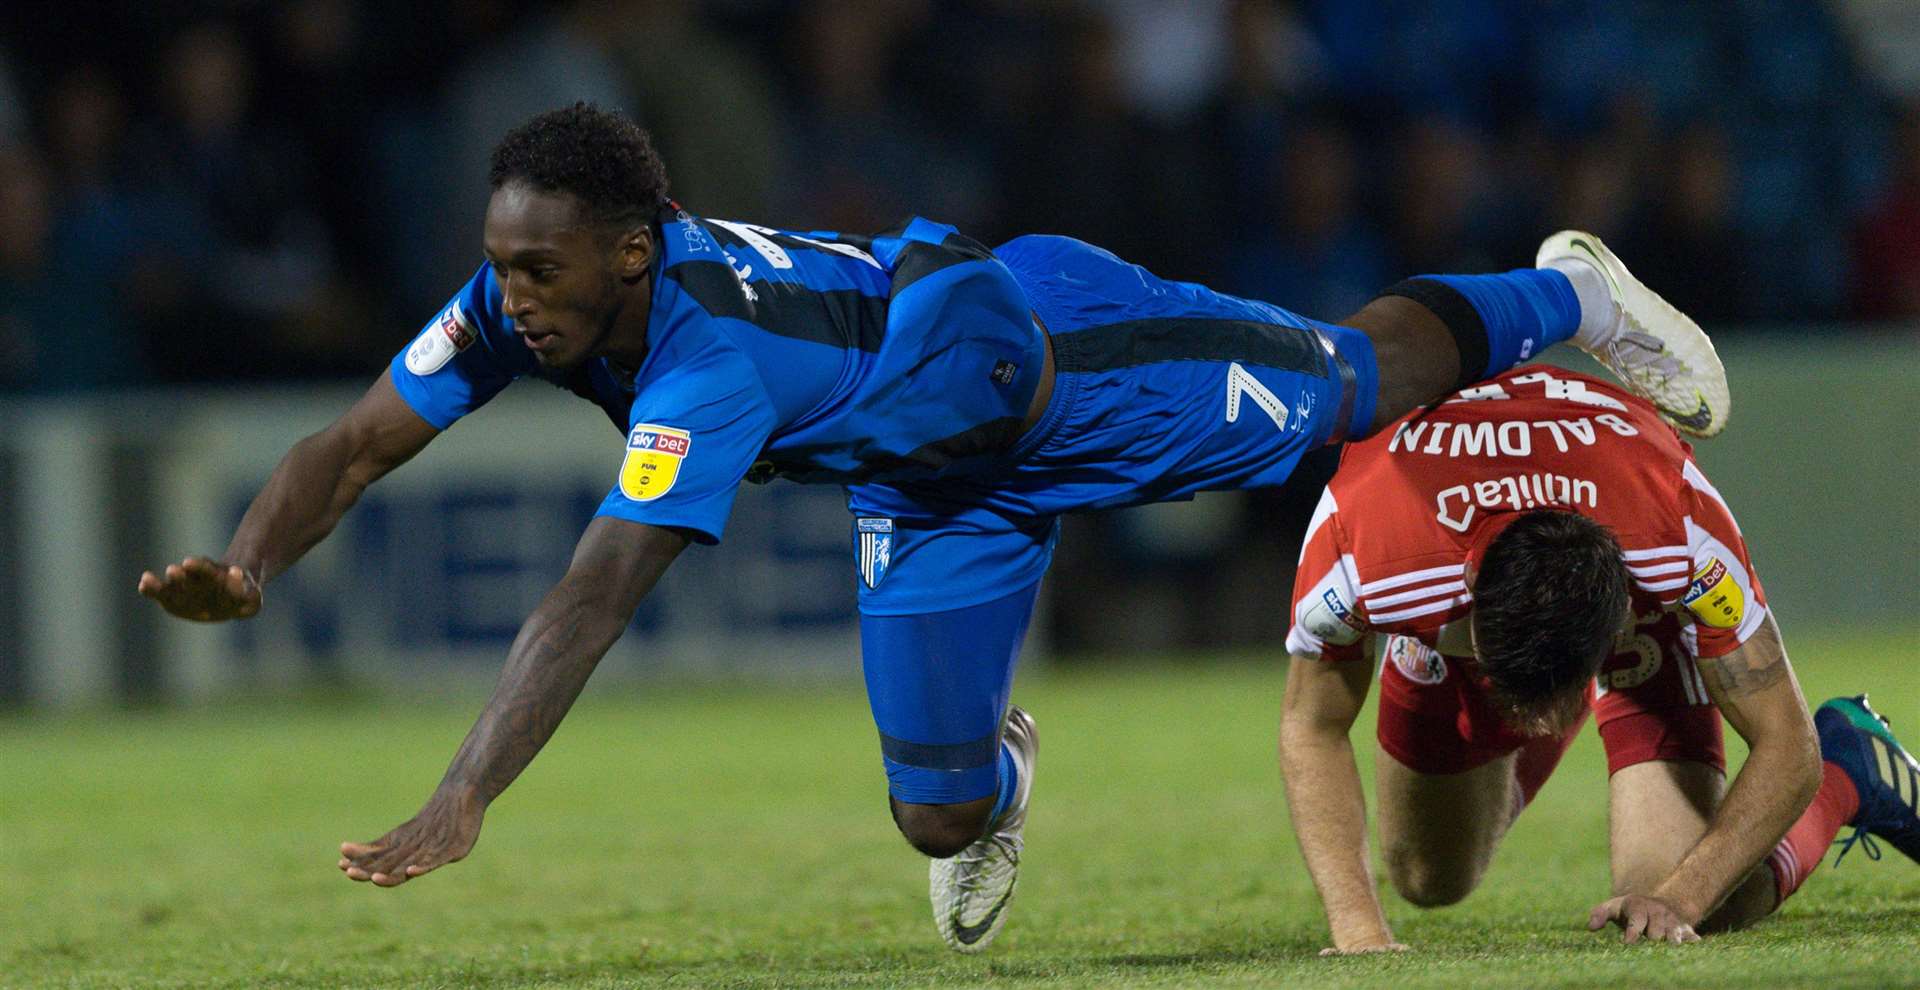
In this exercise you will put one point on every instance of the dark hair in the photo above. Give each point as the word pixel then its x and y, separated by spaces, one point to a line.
pixel 600 156
pixel 1550 594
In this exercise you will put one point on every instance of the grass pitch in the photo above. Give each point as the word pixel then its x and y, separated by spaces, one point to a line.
pixel 707 838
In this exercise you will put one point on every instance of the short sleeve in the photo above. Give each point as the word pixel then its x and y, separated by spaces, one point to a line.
pixel 1724 600
pixel 464 357
pixel 693 434
pixel 1326 618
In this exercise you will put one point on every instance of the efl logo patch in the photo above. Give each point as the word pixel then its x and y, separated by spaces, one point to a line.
pixel 875 549
pixel 1416 661
pixel 653 461
pixel 450 334
pixel 1330 619
pixel 1715 596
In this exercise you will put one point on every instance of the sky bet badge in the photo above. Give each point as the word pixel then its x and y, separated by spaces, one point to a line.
pixel 875 550
pixel 1714 596
pixel 450 334
pixel 653 460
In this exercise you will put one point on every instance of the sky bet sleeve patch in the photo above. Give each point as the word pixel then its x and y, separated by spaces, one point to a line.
pixel 437 344
pixel 1714 596
pixel 653 461
pixel 1332 620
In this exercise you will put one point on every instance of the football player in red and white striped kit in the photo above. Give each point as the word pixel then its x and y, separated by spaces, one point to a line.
pixel 1535 548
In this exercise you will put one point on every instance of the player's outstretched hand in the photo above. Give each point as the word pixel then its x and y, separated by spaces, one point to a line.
pixel 1638 915
pixel 203 590
pixel 443 832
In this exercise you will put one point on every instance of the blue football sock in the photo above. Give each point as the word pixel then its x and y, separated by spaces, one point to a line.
pixel 1524 312
pixel 1009 785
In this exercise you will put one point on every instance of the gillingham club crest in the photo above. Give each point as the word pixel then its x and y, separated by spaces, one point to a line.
pixel 874 549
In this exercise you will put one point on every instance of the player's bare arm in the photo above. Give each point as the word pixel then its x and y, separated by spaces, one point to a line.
pixel 1325 798
pixel 314 485
pixel 615 565
pixel 1756 691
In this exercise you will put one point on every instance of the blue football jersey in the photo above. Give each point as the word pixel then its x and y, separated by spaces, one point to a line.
pixel 817 357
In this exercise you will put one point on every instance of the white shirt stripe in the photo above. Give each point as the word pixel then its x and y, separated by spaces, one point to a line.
pixel 1399 580
pixel 1419 610
pixel 1417 594
pixel 1653 552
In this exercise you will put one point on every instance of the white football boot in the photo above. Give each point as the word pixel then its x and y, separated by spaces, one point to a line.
pixel 971 890
pixel 1655 349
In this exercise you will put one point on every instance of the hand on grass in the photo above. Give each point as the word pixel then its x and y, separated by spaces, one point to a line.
pixel 1639 915
pixel 443 832
pixel 1365 949
pixel 203 590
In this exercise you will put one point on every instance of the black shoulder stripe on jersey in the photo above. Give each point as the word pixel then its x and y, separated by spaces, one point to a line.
pixel 837 317
pixel 796 463
pixel 1152 341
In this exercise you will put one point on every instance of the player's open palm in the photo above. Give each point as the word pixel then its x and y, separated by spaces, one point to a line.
pixel 203 590
pixel 443 832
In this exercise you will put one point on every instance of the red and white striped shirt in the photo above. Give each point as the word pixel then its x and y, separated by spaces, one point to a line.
pixel 1388 546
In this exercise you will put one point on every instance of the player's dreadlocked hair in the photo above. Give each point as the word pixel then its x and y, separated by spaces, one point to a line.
pixel 600 156
pixel 1548 598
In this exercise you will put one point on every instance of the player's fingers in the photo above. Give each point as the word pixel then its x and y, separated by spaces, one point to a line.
pixel 358 850
pixel 389 879
pixel 1636 926
pixel 356 873
pixel 1602 913
pixel 1687 934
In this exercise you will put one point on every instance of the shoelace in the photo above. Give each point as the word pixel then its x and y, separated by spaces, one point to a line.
pixel 1865 839
pixel 969 879
pixel 1644 357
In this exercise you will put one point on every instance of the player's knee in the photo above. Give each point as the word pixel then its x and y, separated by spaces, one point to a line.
pixel 941 830
pixel 1426 882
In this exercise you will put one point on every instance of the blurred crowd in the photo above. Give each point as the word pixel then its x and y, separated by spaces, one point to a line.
pixel 214 192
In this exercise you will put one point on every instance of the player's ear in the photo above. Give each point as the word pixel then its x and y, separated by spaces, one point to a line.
pixel 635 253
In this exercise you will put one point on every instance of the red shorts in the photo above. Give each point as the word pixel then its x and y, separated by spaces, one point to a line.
pixel 1650 705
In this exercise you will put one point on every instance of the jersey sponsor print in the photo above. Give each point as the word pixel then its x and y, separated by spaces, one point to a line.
pixel 653 461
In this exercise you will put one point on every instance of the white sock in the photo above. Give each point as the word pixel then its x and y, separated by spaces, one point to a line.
pixel 1599 319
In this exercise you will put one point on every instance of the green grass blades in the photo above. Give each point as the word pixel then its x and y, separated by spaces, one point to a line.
pixel 700 837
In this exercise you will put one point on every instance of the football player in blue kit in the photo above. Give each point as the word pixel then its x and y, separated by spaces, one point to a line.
pixel 965 397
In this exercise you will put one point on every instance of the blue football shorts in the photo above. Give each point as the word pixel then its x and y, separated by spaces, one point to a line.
pixel 1161 390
